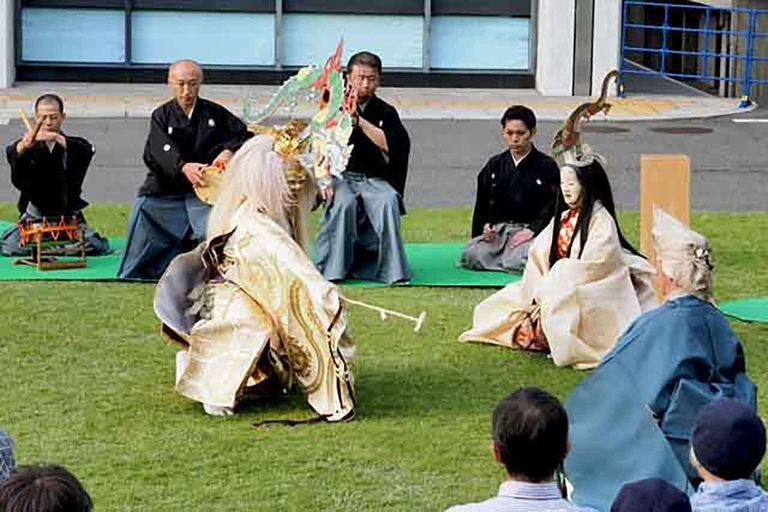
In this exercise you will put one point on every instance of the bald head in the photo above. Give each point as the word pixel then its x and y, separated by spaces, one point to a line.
pixel 185 77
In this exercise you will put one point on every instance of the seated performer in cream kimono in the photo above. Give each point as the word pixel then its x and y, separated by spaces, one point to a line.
pixel 583 282
pixel 247 306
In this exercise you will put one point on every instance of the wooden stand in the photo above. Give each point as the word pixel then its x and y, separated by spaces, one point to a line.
pixel 47 241
pixel 665 181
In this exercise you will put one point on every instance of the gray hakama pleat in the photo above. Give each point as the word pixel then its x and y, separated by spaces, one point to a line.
pixel 497 254
pixel 161 228
pixel 360 232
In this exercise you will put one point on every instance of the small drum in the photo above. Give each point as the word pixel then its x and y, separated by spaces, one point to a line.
pixel 213 179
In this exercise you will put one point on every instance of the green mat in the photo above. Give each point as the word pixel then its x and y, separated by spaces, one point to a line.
pixel 433 264
pixel 749 310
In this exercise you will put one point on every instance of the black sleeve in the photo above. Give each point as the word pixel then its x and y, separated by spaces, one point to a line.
pixel 160 152
pixel 21 171
pixel 551 177
pixel 399 145
pixel 236 133
pixel 481 216
pixel 79 155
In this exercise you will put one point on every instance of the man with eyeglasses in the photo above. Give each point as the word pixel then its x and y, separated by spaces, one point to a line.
pixel 360 233
pixel 48 167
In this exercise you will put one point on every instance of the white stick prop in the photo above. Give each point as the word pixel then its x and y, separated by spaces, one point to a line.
pixel 384 312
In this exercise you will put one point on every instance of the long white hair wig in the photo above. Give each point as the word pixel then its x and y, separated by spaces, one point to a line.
pixel 255 174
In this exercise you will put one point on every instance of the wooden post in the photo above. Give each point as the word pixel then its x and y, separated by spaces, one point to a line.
pixel 665 180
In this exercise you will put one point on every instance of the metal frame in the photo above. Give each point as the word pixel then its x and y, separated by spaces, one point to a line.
pixel 426 75
pixel 750 35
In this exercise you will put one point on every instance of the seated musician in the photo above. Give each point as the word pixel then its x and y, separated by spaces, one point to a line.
pixel 48 168
pixel 360 233
pixel 186 134
pixel 515 197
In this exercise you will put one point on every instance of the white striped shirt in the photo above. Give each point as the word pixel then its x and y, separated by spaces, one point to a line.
pixel 523 497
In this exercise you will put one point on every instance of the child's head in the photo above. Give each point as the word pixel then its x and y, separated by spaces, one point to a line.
pixel 530 434
pixel 651 495
pixel 727 441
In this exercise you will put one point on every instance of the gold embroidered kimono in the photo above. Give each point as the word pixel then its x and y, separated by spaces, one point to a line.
pixel 256 309
pixel 585 302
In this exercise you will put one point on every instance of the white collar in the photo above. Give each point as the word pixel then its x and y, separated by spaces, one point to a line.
pixel 517 162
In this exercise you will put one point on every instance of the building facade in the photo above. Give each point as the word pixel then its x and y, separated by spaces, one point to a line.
pixel 559 46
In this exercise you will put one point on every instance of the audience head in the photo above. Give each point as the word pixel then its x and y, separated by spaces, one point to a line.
pixel 185 77
pixel 518 126
pixel 727 441
pixel 683 257
pixel 530 435
pixel 7 462
pixel 651 495
pixel 49 110
pixel 364 71
pixel 43 488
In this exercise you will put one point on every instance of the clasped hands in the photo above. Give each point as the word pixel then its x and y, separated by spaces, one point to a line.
pixel 522 236
pixel 194 171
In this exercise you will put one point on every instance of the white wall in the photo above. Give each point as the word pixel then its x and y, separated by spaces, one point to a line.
pixel 606 42
pixel 7 61
pixel 555 40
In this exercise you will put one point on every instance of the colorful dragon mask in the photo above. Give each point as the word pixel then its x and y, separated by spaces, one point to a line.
pixel 323 145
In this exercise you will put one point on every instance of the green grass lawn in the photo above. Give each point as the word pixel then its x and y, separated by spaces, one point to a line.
pixel 87 382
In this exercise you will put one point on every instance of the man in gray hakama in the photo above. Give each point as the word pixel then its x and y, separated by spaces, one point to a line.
pixel 186 134
pixel 516 192
pixel 360 234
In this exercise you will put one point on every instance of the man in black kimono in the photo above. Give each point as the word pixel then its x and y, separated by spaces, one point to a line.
pixel 186 134
pixel 48 167
pixel 516 192
pixel 360 233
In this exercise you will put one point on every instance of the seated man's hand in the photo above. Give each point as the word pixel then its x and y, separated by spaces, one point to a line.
pixel 326 193
pixel 521 237
pixel 222 160
pixel 194 173
pixel 488 233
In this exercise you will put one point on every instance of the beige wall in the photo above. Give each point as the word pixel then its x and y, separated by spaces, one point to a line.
pixel 555 41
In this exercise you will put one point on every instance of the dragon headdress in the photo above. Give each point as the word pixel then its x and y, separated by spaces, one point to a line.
pixel 322 146
pixel 567 148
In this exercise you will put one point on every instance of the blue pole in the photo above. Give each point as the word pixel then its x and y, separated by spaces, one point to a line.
pixel 746 84
pixel 704 69
pixel 664 27
pixel 622 66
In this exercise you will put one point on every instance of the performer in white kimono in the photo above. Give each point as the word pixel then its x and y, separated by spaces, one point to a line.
pixel 583 282
pixel 248 306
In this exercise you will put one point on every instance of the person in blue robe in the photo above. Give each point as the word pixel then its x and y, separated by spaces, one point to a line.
pixel 631 418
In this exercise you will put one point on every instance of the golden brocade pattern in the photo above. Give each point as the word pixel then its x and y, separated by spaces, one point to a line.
pixel 273 308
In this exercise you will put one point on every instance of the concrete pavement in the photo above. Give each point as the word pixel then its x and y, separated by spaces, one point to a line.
pixel 92 100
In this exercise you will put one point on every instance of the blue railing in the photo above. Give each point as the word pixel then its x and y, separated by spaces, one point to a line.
pixel 748 57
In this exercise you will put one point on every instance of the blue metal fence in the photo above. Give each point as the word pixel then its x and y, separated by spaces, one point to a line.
pixel 748 57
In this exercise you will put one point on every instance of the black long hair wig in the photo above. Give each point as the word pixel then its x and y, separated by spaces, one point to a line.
pixel 594 187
